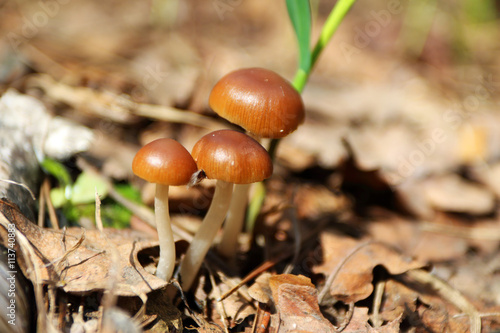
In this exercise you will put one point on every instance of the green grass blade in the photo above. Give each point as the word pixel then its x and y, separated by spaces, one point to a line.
pixel 332 23
pixel 300 15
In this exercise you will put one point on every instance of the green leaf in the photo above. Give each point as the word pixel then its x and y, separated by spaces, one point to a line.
pixel 58 197
pixel 300 15
pixel 85 187
pixel 58 170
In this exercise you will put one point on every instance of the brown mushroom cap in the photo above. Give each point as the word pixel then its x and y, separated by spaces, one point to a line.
pixel 233 157
pixel 164 161
pixel 260 101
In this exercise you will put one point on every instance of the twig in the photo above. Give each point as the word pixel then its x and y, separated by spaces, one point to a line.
pixel 41 206
pixel 377 301
pixel 262 319
pixel 491 233
pixel 122 107
pixel 54 221
pixel 21 185
pixel 256 272
pixel 347 319
pixel 231 283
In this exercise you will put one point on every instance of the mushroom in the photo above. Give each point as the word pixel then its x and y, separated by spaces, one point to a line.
pixel 260 101
pixel 267 106
pixel 164 162
pixel 230 157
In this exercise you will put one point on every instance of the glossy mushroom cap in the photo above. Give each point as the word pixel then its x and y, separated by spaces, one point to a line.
pixel 233 157
pixel 260 101
pixel 164 161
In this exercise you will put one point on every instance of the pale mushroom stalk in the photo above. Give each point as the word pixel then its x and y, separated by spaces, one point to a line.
pixel 234 221
pixel 206 233
pixel 166 263
pixel 164 162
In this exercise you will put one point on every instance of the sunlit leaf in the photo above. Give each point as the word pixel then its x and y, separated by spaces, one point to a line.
pixel 300 15
pixel 85 188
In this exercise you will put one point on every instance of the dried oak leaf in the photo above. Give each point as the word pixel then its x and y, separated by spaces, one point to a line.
pixel 296 301
pixel 82 261
pixel 353 261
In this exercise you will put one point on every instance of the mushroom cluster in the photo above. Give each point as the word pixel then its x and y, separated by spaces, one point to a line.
pixel 266 106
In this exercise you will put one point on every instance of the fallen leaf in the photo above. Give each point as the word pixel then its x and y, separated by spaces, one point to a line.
pixel 260 290
pixel 296 301
pixel 80 261
pixel 452 193
pixel 353 261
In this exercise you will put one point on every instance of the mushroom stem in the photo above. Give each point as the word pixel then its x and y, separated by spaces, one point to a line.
pixel 166 264
pixel 206 233
pixel 234 221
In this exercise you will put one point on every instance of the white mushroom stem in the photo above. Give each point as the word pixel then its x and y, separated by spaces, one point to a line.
pixel 234 221
pixel 166 264
pixel 206 233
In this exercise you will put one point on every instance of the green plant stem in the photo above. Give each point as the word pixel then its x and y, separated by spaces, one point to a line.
pixel 299 82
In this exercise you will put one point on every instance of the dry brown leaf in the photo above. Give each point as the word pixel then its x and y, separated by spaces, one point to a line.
pixel 354 262
pixel 398 299
pixel 260 290
pixel 313 201
pixel 296 301
pixel 80 261
pixel 452 193
pixel 409 236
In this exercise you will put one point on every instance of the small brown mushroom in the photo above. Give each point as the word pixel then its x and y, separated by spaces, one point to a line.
pixel 164 162
pixel 231 157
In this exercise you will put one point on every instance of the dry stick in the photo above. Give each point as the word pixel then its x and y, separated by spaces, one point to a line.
pixel 450 294
pixel 41 206
pixel 347 319
pixel 377 301
pixel 122 104
pixel 20 184
pixel 463 232
pixel 54 221
pixel 262 319
pixel 230 283
pixel 256 272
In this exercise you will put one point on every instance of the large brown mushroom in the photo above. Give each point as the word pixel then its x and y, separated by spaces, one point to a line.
pixel 260 101
pixel 231 157
pixel 164 162
pixel 265 105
